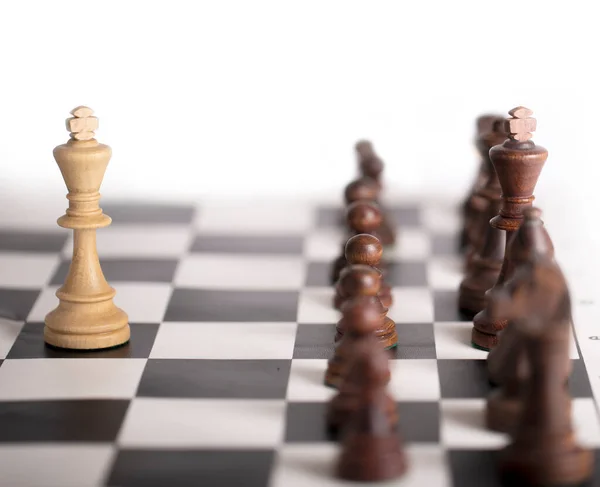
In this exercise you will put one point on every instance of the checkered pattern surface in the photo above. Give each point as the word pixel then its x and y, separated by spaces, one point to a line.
pixel 231 328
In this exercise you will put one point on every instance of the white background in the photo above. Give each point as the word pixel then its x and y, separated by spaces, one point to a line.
pixel 266 98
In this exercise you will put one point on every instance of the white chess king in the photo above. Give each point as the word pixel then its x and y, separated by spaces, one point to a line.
pixel 86 317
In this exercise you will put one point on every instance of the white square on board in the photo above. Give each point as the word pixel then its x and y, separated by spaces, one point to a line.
pixel 224 341
pixel 585 422
pixel 80 378
pixel 255 218
pixel 143 302
pixel 453 341
pixel 77 465
pixel 316 306
pixel 462 425
pixel 198 423
pixel 246 272
pixel 441 219
pixel 411 244
pixel 314 464
pixel 445 273
pixel 26 270
pixel 139 241
pixel 306 381
pixel 324 244
pixel 414 380
pixel 412 305
pixel 9 331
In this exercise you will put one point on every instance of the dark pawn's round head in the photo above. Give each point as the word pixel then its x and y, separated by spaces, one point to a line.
pixel 363 249
pixel 369 365
pixel 363 314
pixel 359 280
pixel 364 216
pixel 361 189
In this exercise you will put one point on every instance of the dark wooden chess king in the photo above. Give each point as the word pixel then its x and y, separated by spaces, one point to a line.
pixel 518 163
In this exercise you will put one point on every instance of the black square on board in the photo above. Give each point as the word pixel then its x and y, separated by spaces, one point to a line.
pixel 61 421
pixel 32 241
pixel 444 244
pixel 445 305
pixel 412 274
pixel 314 341
pixel 318 274
pixel 474 468
pixel 148 213
pixel 16 304
pixel 463 378
pixel 404 216
pixel 127 270
pixel 232 379
pixel 306 422
pixel 249 244
pixel 579 381
pixel 191 468
pixel 187 304
pixel 330 216
pixel 415 341
pixel 30 344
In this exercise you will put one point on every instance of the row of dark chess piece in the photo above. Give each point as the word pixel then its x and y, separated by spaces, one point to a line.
pixel 362 415
pixel 521 307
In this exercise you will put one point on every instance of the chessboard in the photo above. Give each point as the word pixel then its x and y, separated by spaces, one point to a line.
pixel 232 324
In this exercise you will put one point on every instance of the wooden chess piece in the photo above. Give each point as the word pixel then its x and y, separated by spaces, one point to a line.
pixel 364 150
pixel 518 163
pixel 356 280
pixel 362 216
pixel 371 448
pixel 366 189
pixel 386 330
pixel 86 317
pixel 472 204
pixel 490 194
pixel 362 318
pixel 368 368
pixel 530 242
pixel 364 249
pixel 543 450
pixel 484 270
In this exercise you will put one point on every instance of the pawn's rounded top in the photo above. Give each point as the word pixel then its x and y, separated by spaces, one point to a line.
pixel 532 240
pixel 363 216
pixel 369 365
pixel 82 124
pixel 363 314
pixel 364 149
pixel 363 188
pixel 363 249
pixel 359 279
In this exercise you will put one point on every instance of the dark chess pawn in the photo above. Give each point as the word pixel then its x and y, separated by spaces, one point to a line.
pixel 364 249
pixel 543 450
pixel 356 280
pixel 371 448
pixel 363 318
pixel 366 189
pixel 361 217
pixel 368 368
pixel 364 150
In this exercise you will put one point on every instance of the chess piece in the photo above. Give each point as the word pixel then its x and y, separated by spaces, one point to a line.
pixel 368 369
pixel 364 150
pixel 362 216
pixel 366 189
pixel 490 194
pixel 371 448
pixel 543 450
pixel 530 242
pixel 484 270
pixel 364 249
pixel 356 280
pixel 518 163
pixel 369 164
pixel 86 317
pixel 473 204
